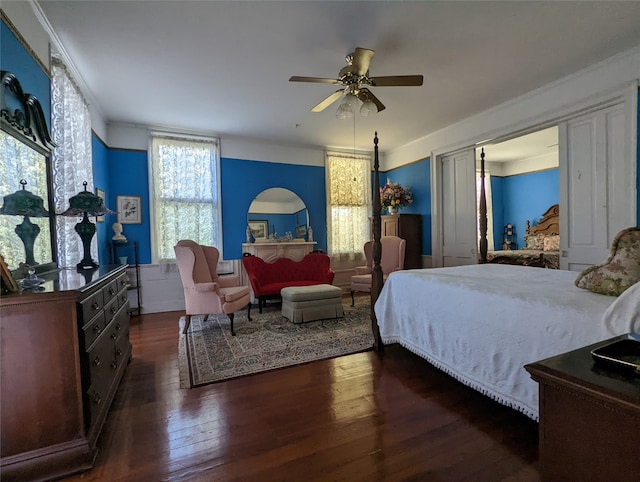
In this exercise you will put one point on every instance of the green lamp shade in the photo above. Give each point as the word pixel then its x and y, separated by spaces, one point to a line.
pixel 24 203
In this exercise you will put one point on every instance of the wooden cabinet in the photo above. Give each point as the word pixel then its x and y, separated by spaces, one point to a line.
pixel 63 352
pixel 409 228
pixel 589 419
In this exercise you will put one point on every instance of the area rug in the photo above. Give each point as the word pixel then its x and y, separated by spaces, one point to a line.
pixel 208 353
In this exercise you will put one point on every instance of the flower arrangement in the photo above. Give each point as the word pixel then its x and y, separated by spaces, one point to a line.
pixel 393 196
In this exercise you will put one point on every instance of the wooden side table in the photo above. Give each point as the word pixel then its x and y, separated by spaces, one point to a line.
pixel 589 418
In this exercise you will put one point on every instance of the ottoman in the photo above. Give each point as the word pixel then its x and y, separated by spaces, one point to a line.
pixel 309 303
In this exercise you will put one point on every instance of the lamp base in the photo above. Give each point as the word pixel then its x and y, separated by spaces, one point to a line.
pixel 91 264
pixel 86 229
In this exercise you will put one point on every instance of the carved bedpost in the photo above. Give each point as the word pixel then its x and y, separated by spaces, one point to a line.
pixel 376 274
pixel 483 213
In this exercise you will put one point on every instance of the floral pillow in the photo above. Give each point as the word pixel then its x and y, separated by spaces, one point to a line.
pixel 534 241
pixel 620 271
pixel 551 242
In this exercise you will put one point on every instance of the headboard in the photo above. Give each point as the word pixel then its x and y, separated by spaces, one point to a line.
pixel 549 224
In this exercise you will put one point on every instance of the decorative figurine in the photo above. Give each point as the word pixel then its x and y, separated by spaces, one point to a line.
pixel 118 237
pixel 248 231
pixel 310 234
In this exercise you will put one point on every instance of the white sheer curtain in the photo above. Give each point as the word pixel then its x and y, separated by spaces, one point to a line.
pixel 487 190
pixel 71 160
pixel 185 187
pixel 348 180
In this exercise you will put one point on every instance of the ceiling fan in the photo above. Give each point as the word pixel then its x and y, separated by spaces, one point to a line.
pixel 354 77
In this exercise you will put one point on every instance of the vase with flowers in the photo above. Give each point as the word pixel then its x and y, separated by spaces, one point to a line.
pixel 394 197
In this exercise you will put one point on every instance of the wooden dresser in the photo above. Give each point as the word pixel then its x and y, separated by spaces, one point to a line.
pixel 589 419
pixel 63 353
pixel 409 228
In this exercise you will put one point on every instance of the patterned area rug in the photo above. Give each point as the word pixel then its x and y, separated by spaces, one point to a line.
pixel 208 353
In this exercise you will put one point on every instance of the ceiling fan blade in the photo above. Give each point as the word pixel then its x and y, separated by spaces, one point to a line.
pixel 397 80
pixel 361 61
pixel 366 94
pixel 328 101
pixel 320 80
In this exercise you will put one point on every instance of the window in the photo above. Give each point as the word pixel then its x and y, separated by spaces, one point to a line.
pixel 185 193
pixel 349 202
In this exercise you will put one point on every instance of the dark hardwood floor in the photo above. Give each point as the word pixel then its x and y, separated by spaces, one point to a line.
pixel 358 417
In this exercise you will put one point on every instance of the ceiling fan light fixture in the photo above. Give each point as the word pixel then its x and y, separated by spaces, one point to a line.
pixel 350 100
pixel 368 107
pixel 344 112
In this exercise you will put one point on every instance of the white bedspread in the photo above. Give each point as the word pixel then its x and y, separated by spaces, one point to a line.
pixel 483 323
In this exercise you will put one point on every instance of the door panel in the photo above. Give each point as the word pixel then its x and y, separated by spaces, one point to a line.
pixel 459 220
pixel 594 194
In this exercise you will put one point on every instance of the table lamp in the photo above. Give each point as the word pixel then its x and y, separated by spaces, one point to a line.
pixel 25 203
pixel 86 204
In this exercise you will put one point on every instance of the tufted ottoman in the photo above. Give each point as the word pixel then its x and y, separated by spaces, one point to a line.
pixel 308 303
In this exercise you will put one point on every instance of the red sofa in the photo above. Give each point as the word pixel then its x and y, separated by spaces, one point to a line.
pixel 267 279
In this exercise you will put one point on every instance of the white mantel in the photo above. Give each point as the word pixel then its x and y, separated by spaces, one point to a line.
pixel 295 250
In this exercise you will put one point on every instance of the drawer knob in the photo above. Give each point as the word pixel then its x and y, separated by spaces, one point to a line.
pixel 96 361
pixel 112 291
pixel 113 309
pixel 114 364
pixel 119 351
pixel 118 326
pixel 95 305
pixel 97 329
pixel 97 399
pixel 114 335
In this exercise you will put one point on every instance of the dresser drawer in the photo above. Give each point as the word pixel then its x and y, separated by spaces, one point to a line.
pixel 110 291
pixel 102 362
pixel 93 329
pixel 123 297
pixel 91 305
pixel 110 309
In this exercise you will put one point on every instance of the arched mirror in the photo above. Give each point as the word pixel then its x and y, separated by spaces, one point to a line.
pixel 27 222
pixel 277 210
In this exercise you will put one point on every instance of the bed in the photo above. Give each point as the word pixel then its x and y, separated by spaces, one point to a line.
pixel 457 320
pixel 482 323
pixel 542 244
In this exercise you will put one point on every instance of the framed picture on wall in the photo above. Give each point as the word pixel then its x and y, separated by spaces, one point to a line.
pixel 301 231
pixel 100 194
pixel 259 229
pixel 129 209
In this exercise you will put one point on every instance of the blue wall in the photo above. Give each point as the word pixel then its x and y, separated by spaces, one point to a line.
pixel 243 180
pixel 15 59
pixel 101 180
pixel 416 176
pixel 129 176
pixel 523 197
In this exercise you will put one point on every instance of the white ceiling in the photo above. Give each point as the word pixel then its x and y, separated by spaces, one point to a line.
pixel 223 66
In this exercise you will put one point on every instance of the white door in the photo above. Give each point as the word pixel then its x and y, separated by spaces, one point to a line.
pixel 596 194
pixel 459 219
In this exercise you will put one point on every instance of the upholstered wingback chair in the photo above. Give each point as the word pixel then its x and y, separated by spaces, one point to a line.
pixel 392 259
pixel 205 292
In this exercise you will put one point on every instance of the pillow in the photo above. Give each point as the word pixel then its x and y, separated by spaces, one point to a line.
pixel 551 242
pixel 534 241
pixel 620 271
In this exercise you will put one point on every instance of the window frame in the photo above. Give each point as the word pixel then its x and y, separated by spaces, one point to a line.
pixel 217 242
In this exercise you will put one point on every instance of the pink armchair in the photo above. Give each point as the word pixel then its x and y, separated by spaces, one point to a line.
pixel 204 291
pixel 392 259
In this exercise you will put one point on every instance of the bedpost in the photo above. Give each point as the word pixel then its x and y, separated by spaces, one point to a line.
pixel 376 274
pixel 483 213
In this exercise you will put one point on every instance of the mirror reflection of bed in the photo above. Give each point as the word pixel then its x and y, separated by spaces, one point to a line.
pixel 542 244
